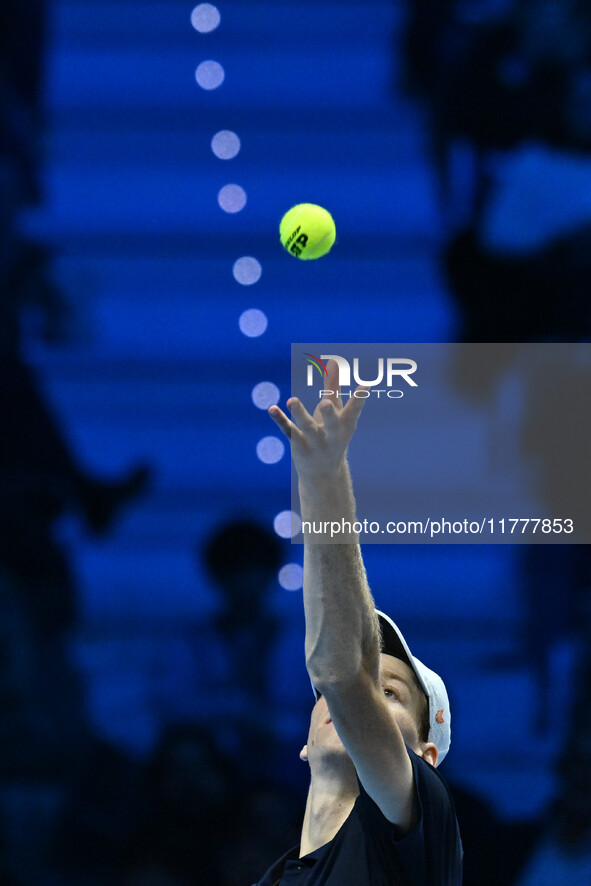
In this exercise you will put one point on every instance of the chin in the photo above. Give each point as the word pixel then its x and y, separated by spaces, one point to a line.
pixel 336 755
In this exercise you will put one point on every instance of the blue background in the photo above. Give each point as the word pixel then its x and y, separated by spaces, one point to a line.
pixel 156 368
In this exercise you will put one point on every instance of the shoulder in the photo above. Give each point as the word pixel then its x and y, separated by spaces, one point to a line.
pixel 432 849
pixel 431 785
pixel 431 789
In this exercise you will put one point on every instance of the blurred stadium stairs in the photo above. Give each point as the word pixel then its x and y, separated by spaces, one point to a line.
pixel 157 369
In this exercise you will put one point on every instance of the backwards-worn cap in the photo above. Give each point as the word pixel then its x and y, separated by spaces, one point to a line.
pixel 393 643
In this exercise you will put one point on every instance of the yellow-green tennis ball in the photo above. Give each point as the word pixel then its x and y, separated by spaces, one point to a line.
pixel 307 231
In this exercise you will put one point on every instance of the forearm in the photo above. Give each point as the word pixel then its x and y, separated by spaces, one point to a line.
pixel 342 633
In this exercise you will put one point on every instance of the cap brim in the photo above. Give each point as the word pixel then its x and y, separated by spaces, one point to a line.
pixel 392 642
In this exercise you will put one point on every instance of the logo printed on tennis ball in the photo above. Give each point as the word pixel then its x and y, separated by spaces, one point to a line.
pixel 307 231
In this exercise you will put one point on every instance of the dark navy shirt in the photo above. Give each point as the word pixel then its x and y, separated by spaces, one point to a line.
pixel 368 849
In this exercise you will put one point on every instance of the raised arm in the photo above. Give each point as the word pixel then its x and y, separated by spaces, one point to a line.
pixel 342 631
pixel 337 601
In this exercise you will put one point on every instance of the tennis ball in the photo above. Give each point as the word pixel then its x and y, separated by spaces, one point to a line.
pixel 307 231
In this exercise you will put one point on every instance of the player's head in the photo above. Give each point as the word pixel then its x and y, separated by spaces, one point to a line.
pixel 425 717
pixel 433 719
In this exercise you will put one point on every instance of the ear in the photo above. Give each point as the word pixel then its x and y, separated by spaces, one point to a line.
pixel 429 752
pixel 304 753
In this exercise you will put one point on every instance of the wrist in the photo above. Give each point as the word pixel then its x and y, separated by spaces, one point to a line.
pixel 328 497
pixel 332 483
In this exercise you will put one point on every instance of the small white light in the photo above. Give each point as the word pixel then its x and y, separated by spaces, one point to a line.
pixel 247 270
pixel 232 198
pixel 209 75
pixel 205 18
pixel 270 450
pixel 287 524
pixel 253 322
pixel 225 144
pixel 265 394
pixel 291 577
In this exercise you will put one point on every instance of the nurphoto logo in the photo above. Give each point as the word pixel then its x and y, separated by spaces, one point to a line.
pixel 389 371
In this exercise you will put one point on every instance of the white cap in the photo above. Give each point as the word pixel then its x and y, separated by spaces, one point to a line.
pixel 393 643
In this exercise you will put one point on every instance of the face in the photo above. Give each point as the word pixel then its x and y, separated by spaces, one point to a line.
pixel 403 697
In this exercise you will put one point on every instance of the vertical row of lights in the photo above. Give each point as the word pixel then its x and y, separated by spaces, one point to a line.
pixel 247 271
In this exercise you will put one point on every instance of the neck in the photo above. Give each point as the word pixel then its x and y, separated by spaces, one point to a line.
pixel 329 804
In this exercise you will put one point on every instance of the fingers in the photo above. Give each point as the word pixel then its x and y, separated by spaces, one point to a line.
pixel 329 414
pixel 301 418
pixel 332 381
pixel 354 407
pixel 281 420
pixel 332 374
pixel 300 414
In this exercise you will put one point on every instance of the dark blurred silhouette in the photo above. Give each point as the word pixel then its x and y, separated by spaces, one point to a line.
pixel 535 296
pixel 562 854
pixel 494 850
pixel 557 436
pixel 493 75
pixel 100 817
pixel 149 875
pixel 41 481
pixel 553 441
pixel 267 820
pixel 22 39
pixel 243 558
pixel 206 819
pixel 44 733
pixel 39 472
pixel 235 653
pixel 192 792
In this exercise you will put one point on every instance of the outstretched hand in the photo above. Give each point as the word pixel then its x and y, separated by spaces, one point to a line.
pixel 319 442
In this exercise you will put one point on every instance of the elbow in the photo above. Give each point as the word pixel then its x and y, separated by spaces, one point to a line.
pixel 335 678
pixel 341 663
